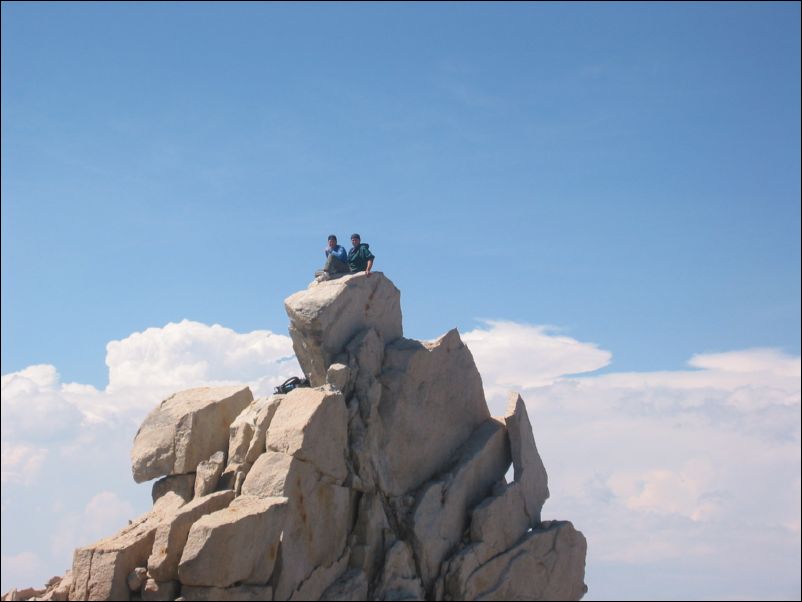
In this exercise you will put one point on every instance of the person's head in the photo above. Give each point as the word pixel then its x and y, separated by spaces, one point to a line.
pixel 355 240
pixel 332 241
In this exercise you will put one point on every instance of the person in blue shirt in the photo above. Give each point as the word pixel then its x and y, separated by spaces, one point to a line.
pixel 336 260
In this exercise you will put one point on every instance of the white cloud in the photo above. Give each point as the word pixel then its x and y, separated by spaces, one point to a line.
pixel 26 566
pixel 659 467
pixel 144 368
pixel 160 361
pixel 512 355
pixel 190 353
pixel 667 491
pixel 64 441
pixel 21 463
pixel 104 514
pixel 32 407
pixel 39 375
pixel 755 362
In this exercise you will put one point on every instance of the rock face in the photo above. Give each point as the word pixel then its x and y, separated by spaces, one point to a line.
pixel 100 571
pixel 431 402
pixel 383 481
pixel 326 316
pixel 171 536
pixel 185 429
pixel 529 469
pixel 441 514
pixel 236 544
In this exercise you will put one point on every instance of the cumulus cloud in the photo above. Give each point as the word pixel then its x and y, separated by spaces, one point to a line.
pixel 191 353
pixel 69 443
pixel 144 368
pixel 33 408
pixel 21 463
pixel 512 355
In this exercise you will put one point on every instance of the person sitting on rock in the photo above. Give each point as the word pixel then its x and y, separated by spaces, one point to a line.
pixel 336 260
pixel 359 257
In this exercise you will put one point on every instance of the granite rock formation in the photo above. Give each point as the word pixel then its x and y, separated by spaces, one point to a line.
pixel 385 480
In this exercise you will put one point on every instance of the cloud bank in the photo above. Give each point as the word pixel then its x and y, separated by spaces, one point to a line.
pixel 689 472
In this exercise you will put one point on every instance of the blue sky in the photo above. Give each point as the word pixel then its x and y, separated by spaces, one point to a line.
pixel 625 173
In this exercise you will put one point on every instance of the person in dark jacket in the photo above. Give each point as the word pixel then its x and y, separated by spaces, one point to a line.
pixel 359 257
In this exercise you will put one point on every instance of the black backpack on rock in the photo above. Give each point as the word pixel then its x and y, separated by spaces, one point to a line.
pixel 290 384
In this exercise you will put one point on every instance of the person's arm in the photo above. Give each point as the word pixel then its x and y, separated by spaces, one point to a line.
pixel 369 257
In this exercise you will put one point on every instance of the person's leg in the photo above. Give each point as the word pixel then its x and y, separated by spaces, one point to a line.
pixel 325 271
pixel 336 266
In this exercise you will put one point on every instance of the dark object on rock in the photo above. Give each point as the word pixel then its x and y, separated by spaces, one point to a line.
pixel 290 384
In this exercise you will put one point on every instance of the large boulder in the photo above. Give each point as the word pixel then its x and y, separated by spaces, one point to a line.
pixel 312 425
pixel 324 317
pixel 186 429
pixel 171 536
pixel 442 511
pixel 100 571
pixel 247 433
pixel 236 544
pixel 208 474
pixel 318 519
pixel 497 524
pixel 305 462
pixel 269 474
pixel 182 485
pixel 431 401
pixel 547 564
pixel 247 440
pixel 500 520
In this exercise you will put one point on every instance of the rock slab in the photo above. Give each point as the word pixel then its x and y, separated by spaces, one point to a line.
pixel 186 429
